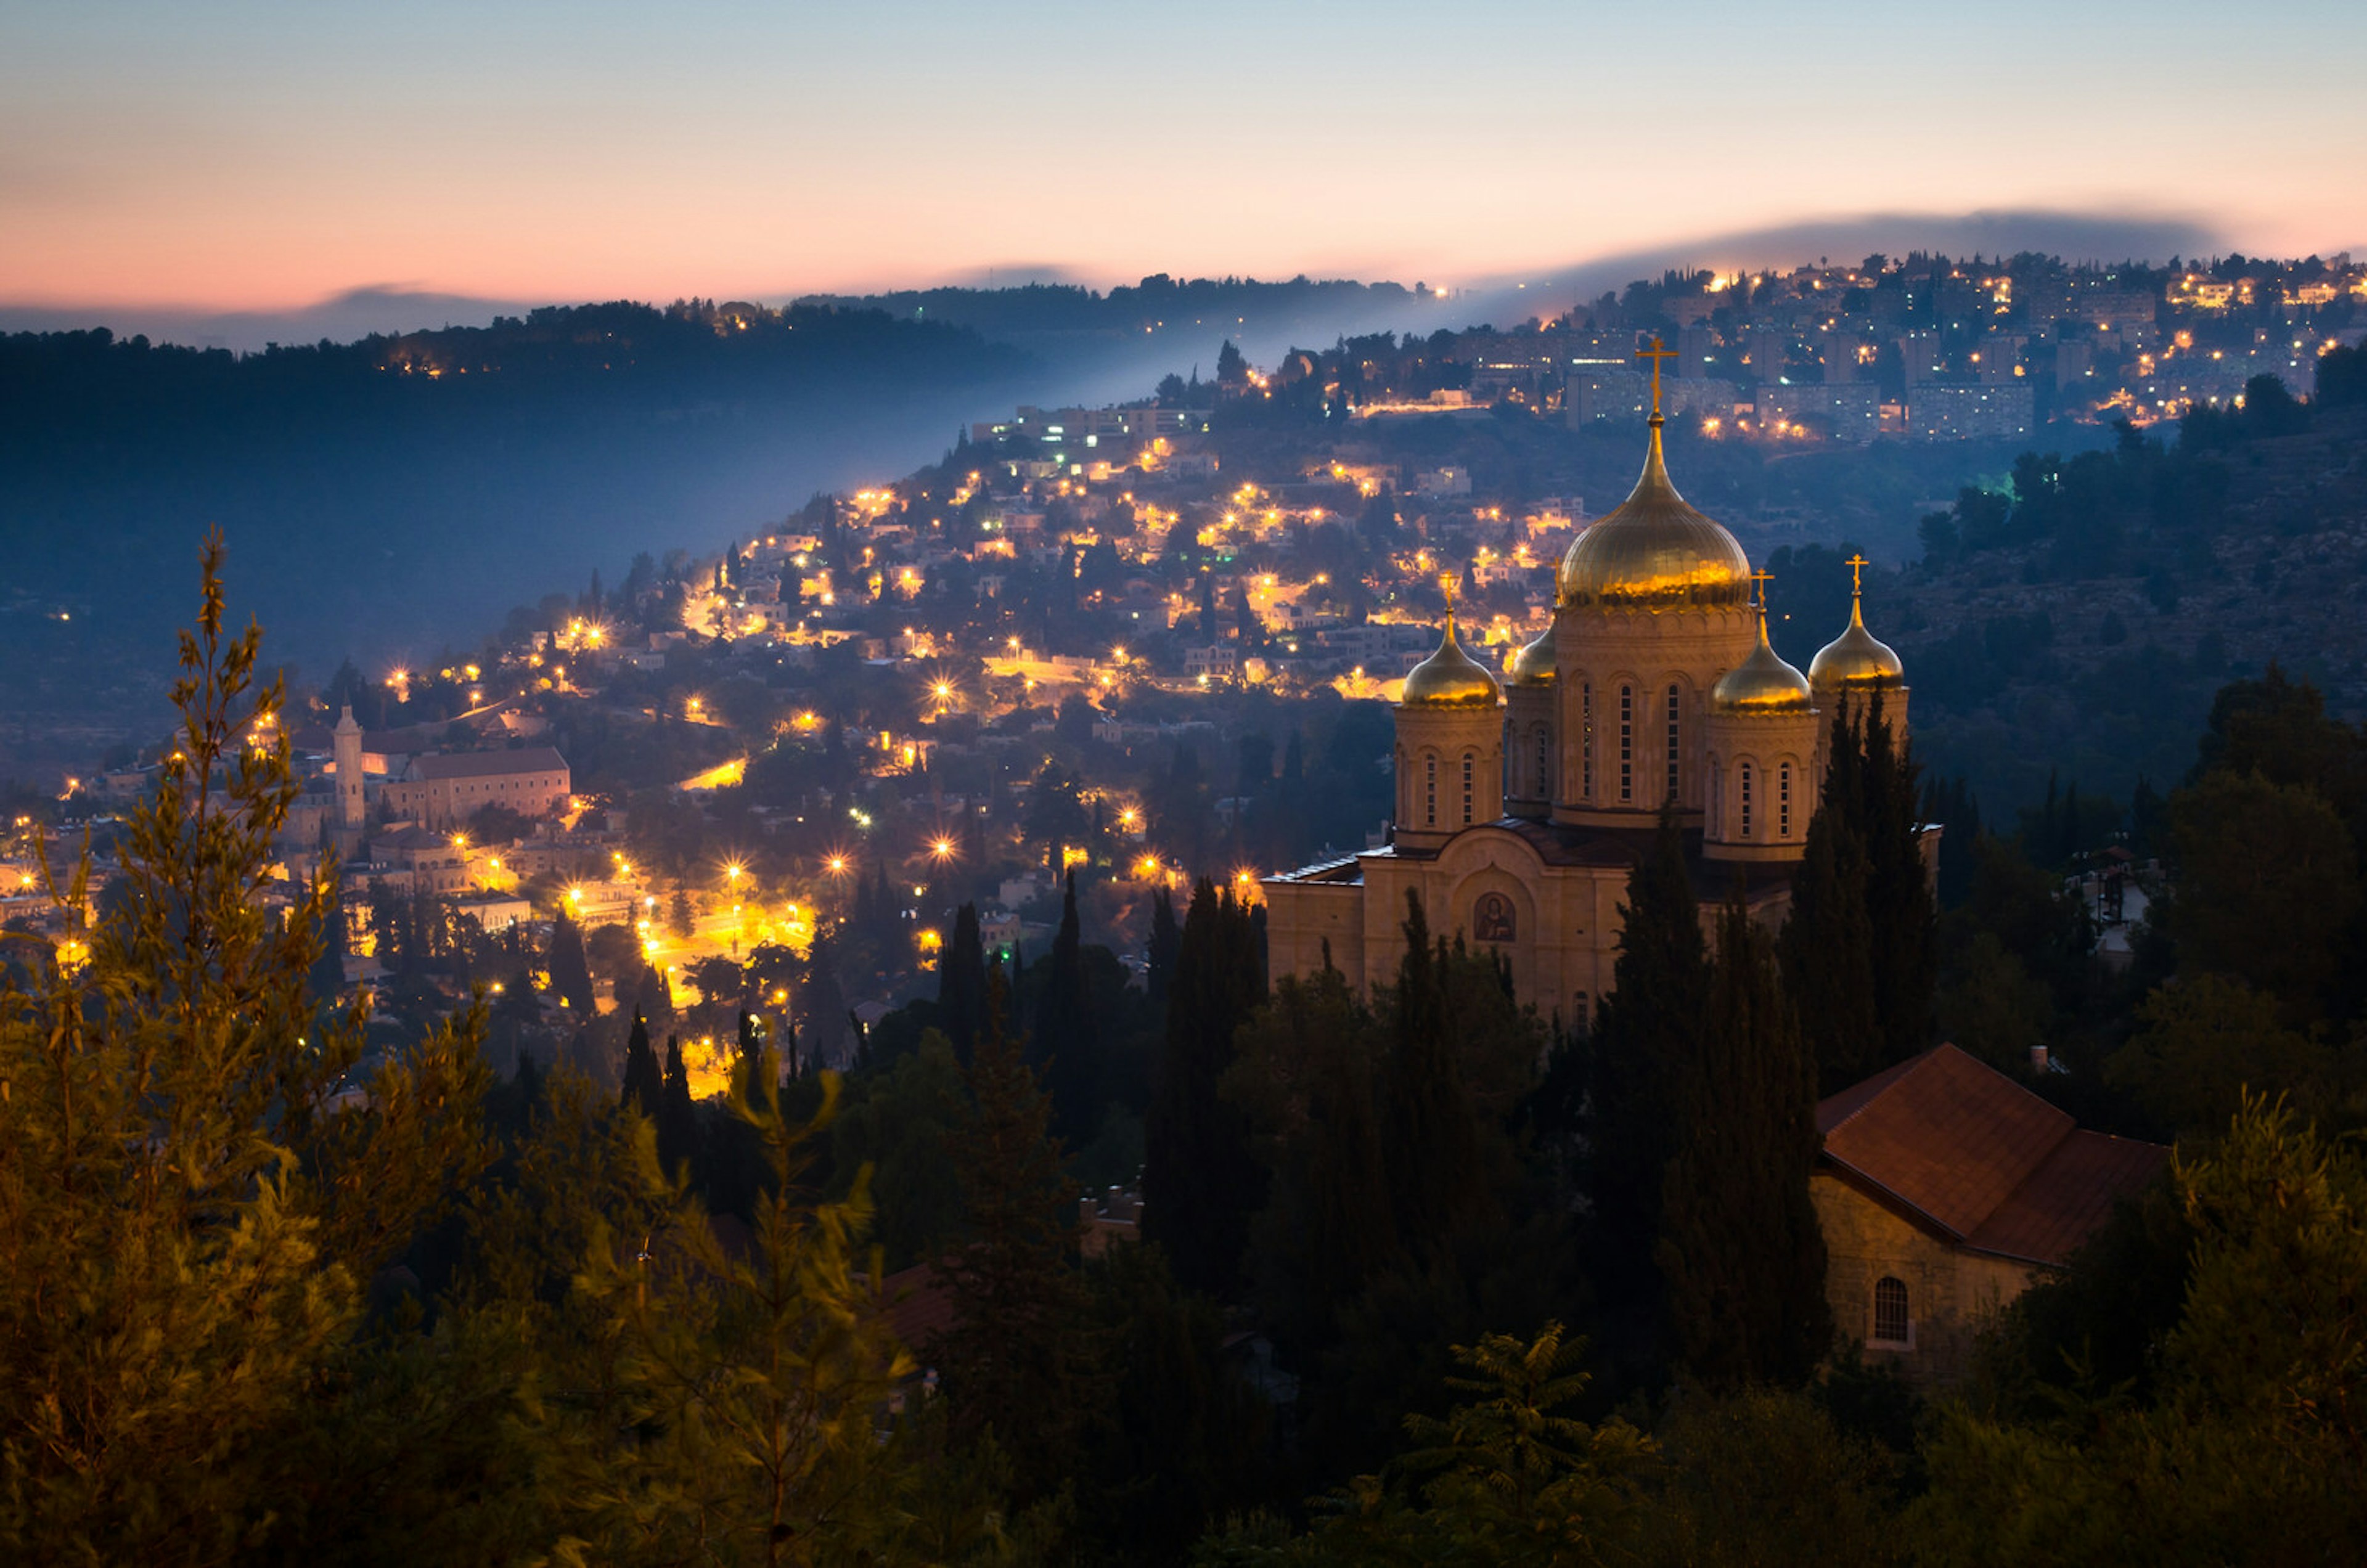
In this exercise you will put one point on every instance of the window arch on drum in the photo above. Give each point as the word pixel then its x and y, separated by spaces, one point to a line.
pixel 1493 918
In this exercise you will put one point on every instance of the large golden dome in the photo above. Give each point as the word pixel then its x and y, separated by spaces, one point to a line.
pixel 1533 665
pixel 1654 551
pixel 1450 678
pixel 1762 683
pixel 1856 658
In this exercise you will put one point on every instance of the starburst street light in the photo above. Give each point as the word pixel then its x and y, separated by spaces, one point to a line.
pixel 942 849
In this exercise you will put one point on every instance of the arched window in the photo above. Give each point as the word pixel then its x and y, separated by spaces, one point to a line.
pixel 1492 919
pixel 1429 792
pixel 1581 1012
pixel 1470 776
pixel 1742 779
pixel 1544 762
pixel 1675 750
pixel 1891 1324
pixel 1784 802
pixel 1586 741
pixel 1626 744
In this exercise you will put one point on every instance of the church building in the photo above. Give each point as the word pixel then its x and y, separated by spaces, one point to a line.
pixel 1522 805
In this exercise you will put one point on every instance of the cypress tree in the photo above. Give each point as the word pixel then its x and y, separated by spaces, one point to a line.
pixel 1068 1044
pixel 644 1082
pixel 677 1121
pixel 1856 954
pixel 1646 1025
pixel 961 984
pixel 1158 953
pixel 1740 1251
pixel 1898 893
pixel 1435 1181
pixel 571 972
pixel 1200 1180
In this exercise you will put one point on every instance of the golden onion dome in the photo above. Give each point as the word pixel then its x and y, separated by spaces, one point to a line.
pixel 1533 665
pixel 1762 683
pixel 1856 658
pixel 1654 551
pixel 1450 678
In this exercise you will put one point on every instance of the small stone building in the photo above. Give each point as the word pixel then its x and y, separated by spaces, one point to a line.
pixel 1945 1190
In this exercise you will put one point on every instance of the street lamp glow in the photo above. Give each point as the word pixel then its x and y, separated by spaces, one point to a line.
pixel 943 848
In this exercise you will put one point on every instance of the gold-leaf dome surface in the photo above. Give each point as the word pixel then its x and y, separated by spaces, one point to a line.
pixel 1857 658
pixel 1450 678
pixel 1535 664
pixel 1654 551
pixel 1762 683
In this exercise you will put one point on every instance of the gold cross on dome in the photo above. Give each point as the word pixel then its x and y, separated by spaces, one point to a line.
pixel 1656 353
pixel 1857 565
pixel 1762 576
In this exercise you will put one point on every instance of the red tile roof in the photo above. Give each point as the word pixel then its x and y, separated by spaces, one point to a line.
pixel 920 1305
pixel 1964 1151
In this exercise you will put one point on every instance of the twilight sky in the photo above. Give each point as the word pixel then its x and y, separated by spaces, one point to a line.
pixel 230 156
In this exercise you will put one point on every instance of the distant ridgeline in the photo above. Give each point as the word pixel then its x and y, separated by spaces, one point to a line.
pixel 93 385
pixel 1158 302
pixel 396 493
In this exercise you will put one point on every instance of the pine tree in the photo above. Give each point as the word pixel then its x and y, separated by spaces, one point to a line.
pixel 1646 1025
pixel 188 1219
pixel 1200 1181
pixel 1740 1251
pixel 571 972
pixel 961 984
pixel 1018 1359
pixel 644 1081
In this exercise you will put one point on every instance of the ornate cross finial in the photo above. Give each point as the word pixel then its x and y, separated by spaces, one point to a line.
pixel 1857 565
pixel 1762 576
pixel 1656 353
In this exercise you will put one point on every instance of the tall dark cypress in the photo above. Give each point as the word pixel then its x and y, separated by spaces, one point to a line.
pixel 1201 1181
pixel 1826 946
pixel 1647 1024
pixel 1159 954
pixel 677 1123
pixel 1066 1043
pixel 961 984
pixel 644 1081
pixel 571 973
pixel 1857 955
pixel 1898 892
pixel 1435 1181
pixel 1740 1253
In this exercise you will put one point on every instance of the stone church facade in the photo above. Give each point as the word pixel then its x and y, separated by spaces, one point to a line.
pixel 1523 804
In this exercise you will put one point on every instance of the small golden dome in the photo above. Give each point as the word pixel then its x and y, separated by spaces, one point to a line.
pixel 1655 551
pixel 1856 658
pixel 1533 665
pixel 1450 678
pixel 1762 683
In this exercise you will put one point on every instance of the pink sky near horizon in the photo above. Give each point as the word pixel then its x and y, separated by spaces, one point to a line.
pixel 270 155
